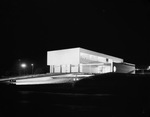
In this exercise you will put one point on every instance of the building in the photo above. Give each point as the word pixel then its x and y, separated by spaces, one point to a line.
pixel 85 61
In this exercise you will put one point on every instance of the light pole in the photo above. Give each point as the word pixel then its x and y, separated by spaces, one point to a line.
pixel 18 67
pixel 23 65
pixel 32 65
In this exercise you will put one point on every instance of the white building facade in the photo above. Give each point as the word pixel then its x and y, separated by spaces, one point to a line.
pixel 79 60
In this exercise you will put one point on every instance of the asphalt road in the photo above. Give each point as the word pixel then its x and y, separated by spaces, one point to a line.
pixel 30 100
pixel 104 97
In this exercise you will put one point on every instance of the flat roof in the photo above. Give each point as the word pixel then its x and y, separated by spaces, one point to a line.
pixel 115 59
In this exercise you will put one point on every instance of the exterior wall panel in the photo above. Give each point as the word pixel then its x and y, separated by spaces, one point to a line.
pixel 63 57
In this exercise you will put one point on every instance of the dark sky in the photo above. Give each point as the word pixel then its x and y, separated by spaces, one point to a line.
pixel 29 28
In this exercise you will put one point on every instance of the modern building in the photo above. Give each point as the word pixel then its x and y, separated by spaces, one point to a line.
pixel 85 61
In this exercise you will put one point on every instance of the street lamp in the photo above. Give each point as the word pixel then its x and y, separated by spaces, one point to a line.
pixel 32 65
pixel 23 65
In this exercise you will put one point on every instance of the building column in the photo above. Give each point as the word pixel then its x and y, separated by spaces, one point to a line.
pixel 111 66
pixel 70 68
pixel 53 69
pixel 90 69
pixel 49 69
pixel 60 68
pixel 79 68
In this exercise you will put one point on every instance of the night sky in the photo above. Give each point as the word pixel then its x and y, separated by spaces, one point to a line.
pixel 30 28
